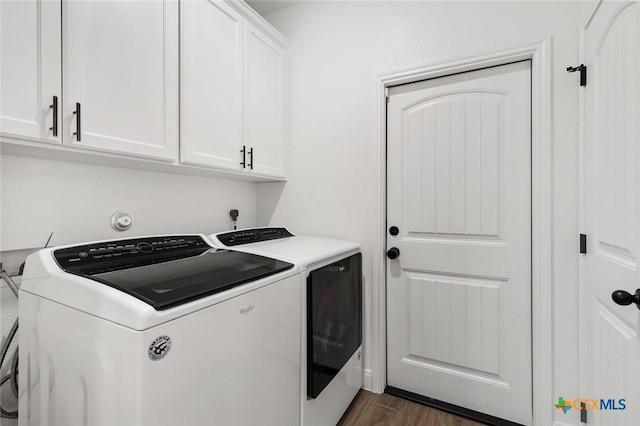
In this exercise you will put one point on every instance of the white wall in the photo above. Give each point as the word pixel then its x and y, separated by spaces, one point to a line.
pixel 75 201
pixel 338 49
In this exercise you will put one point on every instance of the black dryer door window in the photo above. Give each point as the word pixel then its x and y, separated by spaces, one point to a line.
pixel 334 320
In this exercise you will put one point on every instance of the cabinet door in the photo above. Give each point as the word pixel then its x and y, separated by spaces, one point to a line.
pixel 30 69
pixel 263 101
pixel 121 67
pixel 211 84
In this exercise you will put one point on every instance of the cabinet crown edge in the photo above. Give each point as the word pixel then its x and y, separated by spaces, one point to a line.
pixel 252 16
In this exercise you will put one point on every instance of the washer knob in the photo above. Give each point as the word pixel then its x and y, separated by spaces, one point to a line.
pixel 121 221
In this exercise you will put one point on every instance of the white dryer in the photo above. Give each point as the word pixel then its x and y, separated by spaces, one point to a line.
pixel 331 282
pixel 162 330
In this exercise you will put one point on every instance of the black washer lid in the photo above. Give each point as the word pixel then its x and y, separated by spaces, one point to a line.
pixel 166 271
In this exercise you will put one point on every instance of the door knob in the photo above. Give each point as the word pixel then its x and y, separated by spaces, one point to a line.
pixel 393 253
pixel 624 298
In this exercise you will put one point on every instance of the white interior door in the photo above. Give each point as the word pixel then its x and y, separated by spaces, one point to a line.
pixel 609 333
pixel 121 67
pixel 459 190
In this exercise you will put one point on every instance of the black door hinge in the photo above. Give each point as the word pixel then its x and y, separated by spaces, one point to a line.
pixel 583 244
pixel 583 73
pixel 583 413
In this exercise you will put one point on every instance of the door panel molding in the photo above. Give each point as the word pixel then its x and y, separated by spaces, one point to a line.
pixel 469 189
pixel 467 373
pixel 612 21
pixel 541 262
pixel 434 299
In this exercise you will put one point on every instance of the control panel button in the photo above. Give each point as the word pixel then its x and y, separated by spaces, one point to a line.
pixel 144 247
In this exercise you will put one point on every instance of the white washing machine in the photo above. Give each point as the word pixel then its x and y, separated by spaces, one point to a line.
pixel 162 330
pixel 331 282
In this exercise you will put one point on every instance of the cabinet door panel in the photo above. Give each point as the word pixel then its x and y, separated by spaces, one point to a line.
pixel 30 68
pixel 122 67
pixel 211 84
pixel 263 101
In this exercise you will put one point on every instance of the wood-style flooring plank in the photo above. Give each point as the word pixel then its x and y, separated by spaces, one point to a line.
pixel 416 414
pixel 388 401
pixel 377 415
pixel 437 417
pixel 373 409
pixel 355 410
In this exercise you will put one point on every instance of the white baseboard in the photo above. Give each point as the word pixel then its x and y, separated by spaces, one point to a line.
pixel 557 423
pixel 367 380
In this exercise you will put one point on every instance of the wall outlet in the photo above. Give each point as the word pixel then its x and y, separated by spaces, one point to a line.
pixel 227 218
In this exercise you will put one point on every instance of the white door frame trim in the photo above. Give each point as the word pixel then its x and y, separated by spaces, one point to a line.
pixel 541 214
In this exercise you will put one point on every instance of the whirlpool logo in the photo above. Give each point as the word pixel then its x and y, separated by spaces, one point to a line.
pixel 591 404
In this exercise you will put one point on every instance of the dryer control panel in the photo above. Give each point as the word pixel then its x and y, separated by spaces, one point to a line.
pixel 255 235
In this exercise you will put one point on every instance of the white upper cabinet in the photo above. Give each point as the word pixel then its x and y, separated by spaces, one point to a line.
pixel 30 89
pixel 121 76
pixel 231 89
pixel 263 121
pixel 196 84
pixel 211 84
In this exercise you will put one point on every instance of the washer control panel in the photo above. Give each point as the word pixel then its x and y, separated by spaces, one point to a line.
pixel 247 236
pixel 78 258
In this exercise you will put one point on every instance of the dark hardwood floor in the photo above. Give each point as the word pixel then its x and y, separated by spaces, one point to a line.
pixel 369 409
